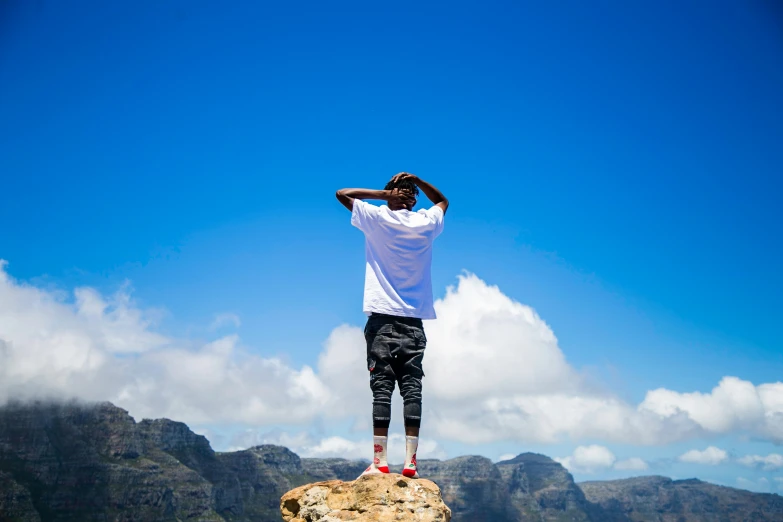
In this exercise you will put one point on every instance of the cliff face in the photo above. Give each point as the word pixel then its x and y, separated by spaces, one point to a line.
pixel 15 501
pixel 86 463
pixel 82 463
pixel 660 499
pixel 266 472
pixel 471 486
pixel 541 489
pixel 77 462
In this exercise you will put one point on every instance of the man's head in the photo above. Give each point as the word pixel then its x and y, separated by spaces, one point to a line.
pixel 407 191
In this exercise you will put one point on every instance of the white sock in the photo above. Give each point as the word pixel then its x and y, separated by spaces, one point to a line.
pixel 411 447
pixel 379 464
pixel 379 453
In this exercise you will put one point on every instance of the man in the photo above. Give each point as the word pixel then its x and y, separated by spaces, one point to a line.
pixel 397 296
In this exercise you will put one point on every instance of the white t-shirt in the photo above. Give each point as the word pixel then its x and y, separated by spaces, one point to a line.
pixel 398 248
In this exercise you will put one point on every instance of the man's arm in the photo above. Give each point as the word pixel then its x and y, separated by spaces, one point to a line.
pixel 433 194
pixel 347 195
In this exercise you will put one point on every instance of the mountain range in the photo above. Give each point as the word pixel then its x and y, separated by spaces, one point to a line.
pixel 94 462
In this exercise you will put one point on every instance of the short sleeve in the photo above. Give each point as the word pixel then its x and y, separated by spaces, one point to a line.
pixel 435 213
pixel 363 215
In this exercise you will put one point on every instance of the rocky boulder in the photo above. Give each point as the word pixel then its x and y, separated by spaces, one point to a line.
pixel 374 498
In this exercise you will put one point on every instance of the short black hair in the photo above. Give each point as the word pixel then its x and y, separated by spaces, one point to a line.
pixel 403 184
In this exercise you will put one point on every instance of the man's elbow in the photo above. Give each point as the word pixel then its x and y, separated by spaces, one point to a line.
pixel 343 198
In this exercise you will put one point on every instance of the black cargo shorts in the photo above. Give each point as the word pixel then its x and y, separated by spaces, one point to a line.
pixel 395 351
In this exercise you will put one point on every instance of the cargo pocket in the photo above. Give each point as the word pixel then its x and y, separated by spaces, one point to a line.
pixel 420 341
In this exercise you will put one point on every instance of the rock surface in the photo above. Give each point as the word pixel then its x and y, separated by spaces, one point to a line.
pixel 472 487
pixel 374 498
pixel 541 489
pixel 661 499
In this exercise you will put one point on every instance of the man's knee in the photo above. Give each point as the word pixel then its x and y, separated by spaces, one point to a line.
pixel 411 412
pixel 381 414
pixel 410 389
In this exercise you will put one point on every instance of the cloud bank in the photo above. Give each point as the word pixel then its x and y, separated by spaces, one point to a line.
pixel 305 445
pixel 711 456
pixel 771 462
pixel 494 371
pixel 594 458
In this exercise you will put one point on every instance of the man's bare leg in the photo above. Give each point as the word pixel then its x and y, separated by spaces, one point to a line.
pixel 384 432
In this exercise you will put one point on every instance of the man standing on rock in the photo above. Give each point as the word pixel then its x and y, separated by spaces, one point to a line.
pixel 397 296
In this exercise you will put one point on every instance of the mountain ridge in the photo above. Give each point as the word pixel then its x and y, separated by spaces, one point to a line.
pixel 76 461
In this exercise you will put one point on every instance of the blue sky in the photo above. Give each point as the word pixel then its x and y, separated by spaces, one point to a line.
pixel 615 167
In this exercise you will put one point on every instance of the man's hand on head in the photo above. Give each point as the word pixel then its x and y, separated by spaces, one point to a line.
pixel 404 175
pixel 399 199
pixel 432 193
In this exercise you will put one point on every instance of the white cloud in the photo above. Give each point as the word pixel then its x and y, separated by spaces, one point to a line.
pixel 219 382
pixel 343 365
pixel 225 319
pixel 305 445
pixel 97 348
pixel 773 461
pixel 482 332
pixel 250 437
pixel 712 456
pixel 494 371
pixel 632 464
pixel 593 458
pixel 515 384
pixel 761 485
pixel 733 405
pixel 506 456
pixel 588 459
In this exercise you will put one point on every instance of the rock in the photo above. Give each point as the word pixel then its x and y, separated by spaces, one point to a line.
pixel 374 498
pixel 71 461
pixel 661 499
pixel 472 486
pixel 264 473
pixel 542 489
pixel 528 488
pixel 16 503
